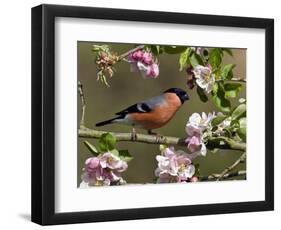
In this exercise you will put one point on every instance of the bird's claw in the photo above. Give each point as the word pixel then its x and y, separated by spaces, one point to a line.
pixel 158 136
pixel 133 135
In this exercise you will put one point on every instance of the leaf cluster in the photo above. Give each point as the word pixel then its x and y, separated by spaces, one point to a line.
pixel 107 143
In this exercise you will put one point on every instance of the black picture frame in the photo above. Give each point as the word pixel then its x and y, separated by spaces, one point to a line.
pixel 43 113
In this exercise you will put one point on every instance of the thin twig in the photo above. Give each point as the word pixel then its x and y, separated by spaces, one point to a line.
pixel 241 159
pixel 226 176
pixel 83 102
pixel 120 57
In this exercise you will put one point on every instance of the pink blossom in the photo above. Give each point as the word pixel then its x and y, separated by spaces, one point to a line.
pixel 91 164
pixel 192 130
pixel 105 169
pixel 169 152
pixel 108 160
pixel 148 71
pixel 152 71
pixel 147 58
pixel 193 143
pixel 143 62
pixel 174 166
pixel 136 56
pixel 195 128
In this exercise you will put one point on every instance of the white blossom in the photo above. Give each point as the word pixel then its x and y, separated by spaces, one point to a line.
pixel 204 77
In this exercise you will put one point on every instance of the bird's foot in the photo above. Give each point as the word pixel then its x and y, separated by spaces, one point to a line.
pixel 158 136
pixel 133 135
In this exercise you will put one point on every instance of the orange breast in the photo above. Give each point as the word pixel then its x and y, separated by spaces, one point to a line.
pixel 160 115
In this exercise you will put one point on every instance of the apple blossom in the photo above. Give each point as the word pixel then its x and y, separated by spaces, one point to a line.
pixel 143 62
pixel 195 128
pixel 204 77
pixel 174 166
pixel 104 169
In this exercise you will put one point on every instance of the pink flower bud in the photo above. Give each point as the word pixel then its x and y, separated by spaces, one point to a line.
pixel 147 58
pixel 189 70
pixel 190 83
pixel 137 55
pixel 152 71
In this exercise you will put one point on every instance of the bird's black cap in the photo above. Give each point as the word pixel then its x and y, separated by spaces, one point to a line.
pixel 183 96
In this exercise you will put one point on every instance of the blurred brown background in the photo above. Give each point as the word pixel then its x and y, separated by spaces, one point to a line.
pixel 128 88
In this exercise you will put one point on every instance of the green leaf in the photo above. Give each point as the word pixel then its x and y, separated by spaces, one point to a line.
pixel 155 49
pixel 242 133
pixel 243 122
pixel 228 51
pixel 125 155
pixel 218 119
pixel 107 142
pixel 215 57
pixel 215 88
pixel 115 152
pixel 102 146
pixel 92 148
pixel 226 72
pixel 195 60
pixel 203 97
pixel 219 99
pixel 232 89
pixel 239 111
pixel 184 58
pixel 174 49
pixel 97 48
pixel 234 124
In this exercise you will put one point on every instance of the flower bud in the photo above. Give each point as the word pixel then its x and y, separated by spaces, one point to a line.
pixel 152 71
pixel 147 58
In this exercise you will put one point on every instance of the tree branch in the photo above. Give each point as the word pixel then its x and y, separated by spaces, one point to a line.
pixel 225 176
pixel 142 138
pixel 83 102
pixel 241 159
pixel 153 139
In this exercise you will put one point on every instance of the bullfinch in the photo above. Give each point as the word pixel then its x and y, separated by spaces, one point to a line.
pixel 152 113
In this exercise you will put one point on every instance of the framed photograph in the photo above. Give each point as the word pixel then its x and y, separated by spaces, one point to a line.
pixel 142 114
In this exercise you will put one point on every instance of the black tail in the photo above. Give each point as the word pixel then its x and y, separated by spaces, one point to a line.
pixel 107 122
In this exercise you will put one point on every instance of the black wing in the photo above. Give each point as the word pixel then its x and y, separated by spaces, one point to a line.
pixel 136 108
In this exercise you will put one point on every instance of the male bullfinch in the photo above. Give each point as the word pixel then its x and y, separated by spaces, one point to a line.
pixel 152 113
